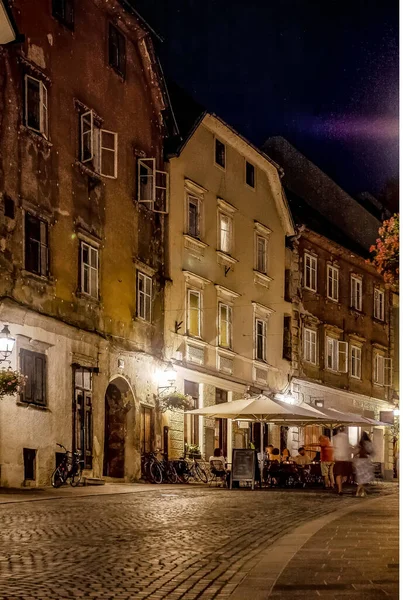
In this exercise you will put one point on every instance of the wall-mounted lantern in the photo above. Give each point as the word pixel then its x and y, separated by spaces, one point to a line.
pixel 6 343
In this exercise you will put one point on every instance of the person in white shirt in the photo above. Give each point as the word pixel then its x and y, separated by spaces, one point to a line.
pixel 222 471
pixel 343 467
pixel 301 458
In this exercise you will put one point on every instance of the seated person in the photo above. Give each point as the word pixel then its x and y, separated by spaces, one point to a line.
pixel 222 470
pixel 285 455
pixel 302 458
pixel 275 455
pixel 266 454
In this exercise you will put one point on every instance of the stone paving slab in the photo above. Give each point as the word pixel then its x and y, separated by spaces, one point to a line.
pixel 352 553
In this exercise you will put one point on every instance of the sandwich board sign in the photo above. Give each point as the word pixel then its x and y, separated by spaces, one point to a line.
pixel 243 466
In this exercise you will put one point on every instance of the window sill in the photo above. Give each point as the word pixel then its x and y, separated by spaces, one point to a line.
pixel 194 244
pixel 225 259
pixel 40 407
pixel 143 322
pixel 379 321
pixel 46 280
pixel 36 137
pixel 88 298
pixel 356 312
pixel 307 289
pixel 224 351
pixel 219 167
pixel 309 363
pixel 332 300
pixel 87 171
pixel 262 278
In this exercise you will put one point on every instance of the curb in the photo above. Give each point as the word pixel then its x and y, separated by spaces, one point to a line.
pixel 258 586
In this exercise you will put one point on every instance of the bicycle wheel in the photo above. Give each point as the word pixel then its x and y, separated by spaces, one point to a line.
pixel 155 473
pixel 75 477
pixel 57 478
pixel 172 475
pixel 201 474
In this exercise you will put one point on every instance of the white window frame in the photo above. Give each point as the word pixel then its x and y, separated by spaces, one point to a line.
pixel 97 146
pixel 223 168
pixel 259 320
pixel 382 371
pixel 311 266
pixel 92 250
pixel 258 239
pixel 337 351
pixel 43 107
pixel 196 200
pixel 103 150
pixel 198 293
pixel 252 187
pixel 333 282
pixel 84 118
pixel 147 297
pixel 310 345
pixel 221 246
pixel 355 361
pixel 225 324
pixel 379 304
pixel 355 297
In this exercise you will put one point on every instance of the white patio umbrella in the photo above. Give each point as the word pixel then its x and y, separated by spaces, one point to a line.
pixel 262 409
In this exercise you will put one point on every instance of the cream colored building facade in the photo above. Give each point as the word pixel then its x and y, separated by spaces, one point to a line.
pixel 224 300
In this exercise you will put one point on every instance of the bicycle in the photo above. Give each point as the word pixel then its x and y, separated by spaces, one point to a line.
pixel 71 467
pixel 194 471
pixel 151 468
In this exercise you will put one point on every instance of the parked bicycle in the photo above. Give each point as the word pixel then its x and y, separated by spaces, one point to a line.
pixel 191 469
pixel 70 468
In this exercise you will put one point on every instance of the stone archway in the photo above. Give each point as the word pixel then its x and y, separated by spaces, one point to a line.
pixel 118 401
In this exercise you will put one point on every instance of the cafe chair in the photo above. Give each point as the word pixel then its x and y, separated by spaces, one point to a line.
pixel 218 474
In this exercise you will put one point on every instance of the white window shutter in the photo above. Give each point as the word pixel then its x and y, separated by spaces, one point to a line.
pixel 378 368
pixel 342 358
pixel 387 376
pixel 161 204
pixel 146 181
pixel 87 136
pixel 43 114
pixel 108 154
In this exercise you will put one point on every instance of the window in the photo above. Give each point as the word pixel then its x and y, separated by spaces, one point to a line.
pixel 145 429
pixel 356 293
pixel 82 437
pixel 29 464
pixel 225 230
pixel 310 272
pixel 219 154
pixel 261 254
pixel 191 422
pixel 36 245
pixel 336 355
pixel 193 216
pixel 382 370
pixel 260 339
pixel 33 366
pixel 225 325
pixel 249 174
pixel 379 304
pixel 310 345
pixel 117 50
pixel 152 186
pixel 355 360
pixel 98 147
pixel 144 296
pixel 63 11
pixel 333 283
pixel 36 105
pixel 194 313
pixel 89 270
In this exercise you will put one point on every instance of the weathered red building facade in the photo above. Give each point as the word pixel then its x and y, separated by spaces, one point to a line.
pixel 81 256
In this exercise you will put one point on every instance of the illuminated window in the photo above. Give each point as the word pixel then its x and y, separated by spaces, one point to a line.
pixel 144 296
pixel 310 345
pixel 194 313
pixel 225 225
pixel 225 325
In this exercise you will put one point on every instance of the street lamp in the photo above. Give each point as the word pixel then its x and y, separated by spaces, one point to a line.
pixel 6 343
pixel 167 379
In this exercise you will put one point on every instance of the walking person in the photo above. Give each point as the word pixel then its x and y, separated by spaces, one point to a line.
pixel 326 461
pixel 343 467
pixel 363 467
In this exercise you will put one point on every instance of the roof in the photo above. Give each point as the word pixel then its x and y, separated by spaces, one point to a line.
pixel 8 28
pixel 334 208
pixel 128 6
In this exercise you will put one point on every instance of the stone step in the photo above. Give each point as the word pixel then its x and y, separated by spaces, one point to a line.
pixel 93 481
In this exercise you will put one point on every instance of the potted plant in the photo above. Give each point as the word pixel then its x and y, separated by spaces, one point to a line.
pixel 174 401
pixel 192 451
pixel 11 382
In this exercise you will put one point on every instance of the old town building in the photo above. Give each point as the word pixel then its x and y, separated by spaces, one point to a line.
pixel 224 303
pixel 81 174
pixel 340 338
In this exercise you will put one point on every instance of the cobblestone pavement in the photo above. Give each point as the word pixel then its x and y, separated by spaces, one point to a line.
pixel 168 543
pixel 354 557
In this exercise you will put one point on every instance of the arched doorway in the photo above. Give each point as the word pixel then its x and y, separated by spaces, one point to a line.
pixel 118 402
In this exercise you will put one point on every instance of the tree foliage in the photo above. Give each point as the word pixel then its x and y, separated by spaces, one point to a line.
pixel 386 251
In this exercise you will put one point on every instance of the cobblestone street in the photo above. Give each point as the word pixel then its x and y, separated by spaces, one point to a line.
pixel 166 543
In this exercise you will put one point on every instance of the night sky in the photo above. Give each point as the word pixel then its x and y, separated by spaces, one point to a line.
pixel 322 73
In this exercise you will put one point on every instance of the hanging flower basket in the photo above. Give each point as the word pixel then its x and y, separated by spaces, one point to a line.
pixel 174 401
pixel 11 382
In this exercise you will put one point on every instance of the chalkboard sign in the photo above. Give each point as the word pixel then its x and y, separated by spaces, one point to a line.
pixel 243 466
